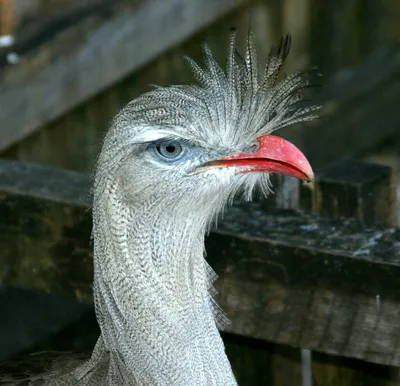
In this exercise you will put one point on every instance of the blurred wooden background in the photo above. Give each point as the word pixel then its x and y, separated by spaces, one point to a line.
pixel 48 116
pixel 337 37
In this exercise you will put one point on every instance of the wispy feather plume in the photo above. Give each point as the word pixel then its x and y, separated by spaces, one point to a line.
pixel 228 108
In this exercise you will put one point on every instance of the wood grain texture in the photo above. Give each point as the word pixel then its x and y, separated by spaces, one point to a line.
pixel 354 189
pixel 352 122
pixel 365 192
pixel 37 22
pixel 354 100
pixel 296 279
pixel 94 54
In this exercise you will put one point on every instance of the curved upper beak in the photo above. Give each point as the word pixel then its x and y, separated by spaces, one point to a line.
pixel 274 155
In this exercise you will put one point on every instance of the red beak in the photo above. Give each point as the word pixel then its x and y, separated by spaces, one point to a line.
pixel 274 155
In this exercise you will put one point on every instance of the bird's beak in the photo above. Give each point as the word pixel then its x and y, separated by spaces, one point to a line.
pixel 274 155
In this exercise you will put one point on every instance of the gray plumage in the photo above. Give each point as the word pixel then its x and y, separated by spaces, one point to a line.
pixel 152 286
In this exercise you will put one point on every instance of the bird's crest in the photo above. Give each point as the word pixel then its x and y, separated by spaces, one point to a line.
pixel 227 107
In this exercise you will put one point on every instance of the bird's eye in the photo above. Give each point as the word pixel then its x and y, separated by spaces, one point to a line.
pixel 170 150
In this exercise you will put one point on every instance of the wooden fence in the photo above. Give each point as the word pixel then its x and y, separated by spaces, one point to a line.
pixel 293 278
pixel 288 280
pixel 78 67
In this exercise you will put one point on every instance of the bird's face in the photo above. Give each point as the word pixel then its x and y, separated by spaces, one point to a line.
pixel 161 166
pixel 194 147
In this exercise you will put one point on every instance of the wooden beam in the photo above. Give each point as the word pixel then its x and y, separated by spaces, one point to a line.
pixel 35 23
pixel 365 192
pixel 93 54
pixel 46 314
pixel 353 189
pixel 358 114
pixel 66 70
pixel 309 282
pixel 300 280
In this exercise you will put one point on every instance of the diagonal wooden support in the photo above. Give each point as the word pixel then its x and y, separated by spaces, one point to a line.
pixel 92 54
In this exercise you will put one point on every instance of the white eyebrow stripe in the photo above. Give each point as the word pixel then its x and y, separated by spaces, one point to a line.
pixel 154 135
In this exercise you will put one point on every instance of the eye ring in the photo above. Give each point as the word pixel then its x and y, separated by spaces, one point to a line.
pixel 169 150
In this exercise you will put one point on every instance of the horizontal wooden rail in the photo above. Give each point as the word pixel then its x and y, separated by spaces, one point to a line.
pixel 307 281
pixel 94 53
pixel 35 22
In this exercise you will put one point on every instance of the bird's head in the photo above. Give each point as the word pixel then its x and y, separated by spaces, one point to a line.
pixel 193 147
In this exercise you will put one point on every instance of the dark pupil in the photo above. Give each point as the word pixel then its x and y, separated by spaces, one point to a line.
pixel 170 148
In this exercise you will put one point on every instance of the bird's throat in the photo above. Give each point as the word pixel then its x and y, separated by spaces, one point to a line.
pixel 151 291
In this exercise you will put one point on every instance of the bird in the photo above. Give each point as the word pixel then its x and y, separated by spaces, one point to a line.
pixel 171 162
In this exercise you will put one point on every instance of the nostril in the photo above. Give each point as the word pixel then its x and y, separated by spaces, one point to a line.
pixel 253 148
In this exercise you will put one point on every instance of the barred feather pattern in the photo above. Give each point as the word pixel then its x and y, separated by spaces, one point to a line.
pixel 230 107
pixel 153 289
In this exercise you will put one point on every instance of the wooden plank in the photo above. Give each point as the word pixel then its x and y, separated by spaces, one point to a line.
pixel 92 55
pixel 74 140
pixel 365 192
pixel 46 315
pixel 300 280
pixel 351 121
pixel 34 24
pixel 339 371
pixel 355 189
pixel 255 362
pixel 312 286
pixel 352 107
pixel 6 17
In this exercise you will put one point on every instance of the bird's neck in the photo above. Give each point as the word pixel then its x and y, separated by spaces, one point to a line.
pixel 151 291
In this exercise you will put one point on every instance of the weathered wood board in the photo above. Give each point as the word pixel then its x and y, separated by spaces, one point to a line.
pixel 300 280
pixel 107 50
pixel 93 54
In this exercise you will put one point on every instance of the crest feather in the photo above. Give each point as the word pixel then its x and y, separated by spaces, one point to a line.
pixel 229 108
